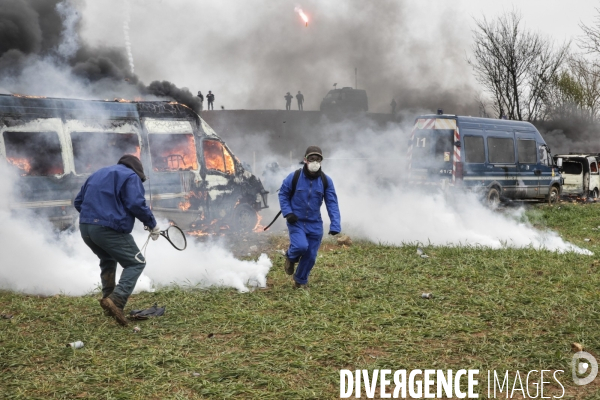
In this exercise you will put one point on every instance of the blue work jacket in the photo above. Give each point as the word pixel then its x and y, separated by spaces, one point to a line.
pixel 307 201
pixel 114 197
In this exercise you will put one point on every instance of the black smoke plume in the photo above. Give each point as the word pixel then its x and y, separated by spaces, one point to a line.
pixel 31 31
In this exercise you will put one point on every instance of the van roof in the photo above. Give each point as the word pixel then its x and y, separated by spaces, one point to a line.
pixel 578 155
pixel 347 89
pixel 477 120
pixel 36 107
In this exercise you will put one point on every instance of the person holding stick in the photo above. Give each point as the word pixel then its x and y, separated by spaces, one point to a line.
pixel 108 203
pixel 301 195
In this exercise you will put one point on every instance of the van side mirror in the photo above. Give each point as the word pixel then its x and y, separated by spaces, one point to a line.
pixel 457 143
pixel 559 162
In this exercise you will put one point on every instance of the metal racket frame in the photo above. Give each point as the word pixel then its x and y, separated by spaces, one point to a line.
pixel 165 234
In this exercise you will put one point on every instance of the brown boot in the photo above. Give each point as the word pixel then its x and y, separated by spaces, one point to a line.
pixel 114 311
pixel 300 286
pixel 289 266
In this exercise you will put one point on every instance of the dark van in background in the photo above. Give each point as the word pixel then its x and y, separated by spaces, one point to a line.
pixel 345 100
pixel 500 159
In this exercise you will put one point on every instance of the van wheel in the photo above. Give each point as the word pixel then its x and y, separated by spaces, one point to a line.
pixel 245 218
pixel 594 194
pixel 553 195
pixel 493 198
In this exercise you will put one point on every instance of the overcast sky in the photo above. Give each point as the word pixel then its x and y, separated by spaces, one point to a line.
pixel 250 53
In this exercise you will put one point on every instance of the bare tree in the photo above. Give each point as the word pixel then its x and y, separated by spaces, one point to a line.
pixel 590 42
pixel 515 66
pixel 575 92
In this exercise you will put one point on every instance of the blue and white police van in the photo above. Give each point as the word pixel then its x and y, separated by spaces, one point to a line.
pixel 499 159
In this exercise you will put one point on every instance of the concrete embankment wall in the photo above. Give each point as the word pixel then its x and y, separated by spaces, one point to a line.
pixel 258 137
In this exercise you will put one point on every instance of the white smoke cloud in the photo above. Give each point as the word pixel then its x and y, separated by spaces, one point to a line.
pixel 35 259
pixel 377 204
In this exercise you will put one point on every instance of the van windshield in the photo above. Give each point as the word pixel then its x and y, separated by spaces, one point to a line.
pixel 572 168
pixel 432 148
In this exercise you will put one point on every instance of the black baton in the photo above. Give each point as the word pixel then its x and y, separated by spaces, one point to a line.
pixel 272 222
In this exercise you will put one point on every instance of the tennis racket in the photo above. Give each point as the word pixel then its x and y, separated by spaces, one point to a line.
pixel 175 236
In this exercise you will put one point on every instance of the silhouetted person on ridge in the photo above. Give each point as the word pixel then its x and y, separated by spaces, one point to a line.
pixel 288 101
pixel 300 98
pixel 393 105
pixel 210 98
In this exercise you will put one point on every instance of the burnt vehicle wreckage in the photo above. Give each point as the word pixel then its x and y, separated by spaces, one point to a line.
pixel 194 180
pixel 581 173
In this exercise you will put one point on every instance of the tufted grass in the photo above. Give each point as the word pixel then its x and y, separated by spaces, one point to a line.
pixel 508 309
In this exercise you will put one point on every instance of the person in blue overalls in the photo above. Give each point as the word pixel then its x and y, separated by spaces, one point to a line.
pixel 302 210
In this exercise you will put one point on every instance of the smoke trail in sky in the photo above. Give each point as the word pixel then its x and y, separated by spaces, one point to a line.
pixel 126 22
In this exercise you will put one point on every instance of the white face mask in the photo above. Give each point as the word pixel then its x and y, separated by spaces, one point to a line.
pixel 314 166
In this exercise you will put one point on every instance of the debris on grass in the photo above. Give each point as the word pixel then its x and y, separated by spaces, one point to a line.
pixel 253 248
pixel 420 251
pixel 195 374
pixel 576 347
pixel 424 256
pixel 6 316
pixel 587 240
pixel 136 329
pixel 75 345
pixel 153 311
pixel 427 296
pixel 210 335
pixel 344 240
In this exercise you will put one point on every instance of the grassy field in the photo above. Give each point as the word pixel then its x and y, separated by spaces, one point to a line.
pixel 492 310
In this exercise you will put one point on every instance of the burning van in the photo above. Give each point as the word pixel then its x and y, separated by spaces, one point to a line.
pixel 194 180
pixel 580 172
pixel 499 159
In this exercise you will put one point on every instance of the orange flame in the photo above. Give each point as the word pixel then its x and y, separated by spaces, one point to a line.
pixel 258 228
pixel 217 158
pixel 178 155
pixel 21 163
pixel 184 205
pixel 27 96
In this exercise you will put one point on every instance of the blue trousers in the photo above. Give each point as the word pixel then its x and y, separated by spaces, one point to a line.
pixel 113 247
pixel 303 250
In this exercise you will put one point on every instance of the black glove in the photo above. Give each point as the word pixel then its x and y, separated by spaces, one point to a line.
pixel 291 218
pixel 333 233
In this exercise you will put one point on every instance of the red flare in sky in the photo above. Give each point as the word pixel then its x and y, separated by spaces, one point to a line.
pixel 302 15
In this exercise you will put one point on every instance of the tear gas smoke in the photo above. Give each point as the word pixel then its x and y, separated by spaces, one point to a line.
pixel 367 167
pixel 35 259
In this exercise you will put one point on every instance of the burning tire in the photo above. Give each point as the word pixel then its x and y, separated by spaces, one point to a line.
pixel 492 199
pixel 553 195
pixel 245 218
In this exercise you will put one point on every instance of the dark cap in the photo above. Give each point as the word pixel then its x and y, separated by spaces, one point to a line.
pixel 131 161
pixel 313 150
